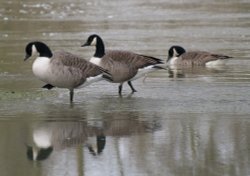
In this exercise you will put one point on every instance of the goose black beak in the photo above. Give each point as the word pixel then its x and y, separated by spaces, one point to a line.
pixel 85 44
pixel 26 57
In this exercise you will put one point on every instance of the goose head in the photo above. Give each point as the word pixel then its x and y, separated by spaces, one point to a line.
pixel 92 40
pixel 175 51
pixel 96 147
pixel 39 48
pixel 95 40
pixel 38 154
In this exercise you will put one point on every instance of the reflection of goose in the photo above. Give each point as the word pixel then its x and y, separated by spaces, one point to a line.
pixel 42 147
pixel 40 154
pixel 50 136
pixel 124 66
pixel 178 56
pixel 96 147
pixel 189 72
pixel 62 69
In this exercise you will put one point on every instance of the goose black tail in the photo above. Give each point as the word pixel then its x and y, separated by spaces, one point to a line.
pixel 157 60
pixel 222 56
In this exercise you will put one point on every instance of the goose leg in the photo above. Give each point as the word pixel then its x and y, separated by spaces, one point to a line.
pixel 131 86
pixel 120 89
pixel 71 94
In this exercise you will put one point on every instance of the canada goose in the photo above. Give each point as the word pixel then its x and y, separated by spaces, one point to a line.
pixel 178 56
pixel 124 66
pixel 63 69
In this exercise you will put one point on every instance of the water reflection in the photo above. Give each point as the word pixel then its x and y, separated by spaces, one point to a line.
pixel 195 145
pixel 199 145
pixel 187 72
pixel 89 142
pixel 49 136
pixel 41 146
pixel 96 149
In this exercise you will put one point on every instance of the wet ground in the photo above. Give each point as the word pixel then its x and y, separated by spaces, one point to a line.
pixel 194 123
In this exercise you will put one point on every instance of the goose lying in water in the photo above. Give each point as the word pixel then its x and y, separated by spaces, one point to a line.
pixel 177 56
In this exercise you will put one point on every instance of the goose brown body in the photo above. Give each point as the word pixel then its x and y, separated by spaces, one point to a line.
pixel 70 71
pixel 178 56
pixel 63 69
pixel 124 66
pixel 199 58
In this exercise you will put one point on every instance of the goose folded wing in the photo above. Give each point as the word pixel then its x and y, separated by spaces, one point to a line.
pixel 200 57
pixel 133 59
pixel 78 63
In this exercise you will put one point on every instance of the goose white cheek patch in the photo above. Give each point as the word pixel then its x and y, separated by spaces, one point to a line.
pixel 93 43
pixel 34 50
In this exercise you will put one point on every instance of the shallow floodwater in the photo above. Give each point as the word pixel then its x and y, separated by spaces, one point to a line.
pixel 180 122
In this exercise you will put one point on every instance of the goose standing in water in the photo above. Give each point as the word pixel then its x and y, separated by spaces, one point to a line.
pixel 62 69
pixel 177 56
pixel 124 66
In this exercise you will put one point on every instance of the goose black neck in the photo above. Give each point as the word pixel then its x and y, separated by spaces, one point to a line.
pixel 43 50
pixel 100 48
pixel 46 53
